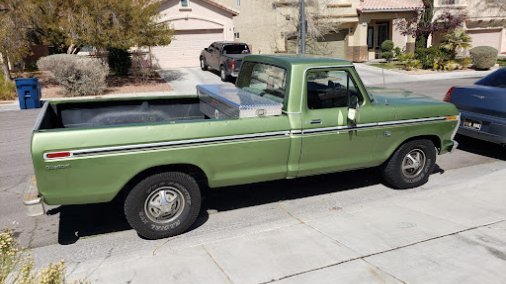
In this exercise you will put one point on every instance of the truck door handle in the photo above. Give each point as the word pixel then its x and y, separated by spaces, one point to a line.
pixel 315 121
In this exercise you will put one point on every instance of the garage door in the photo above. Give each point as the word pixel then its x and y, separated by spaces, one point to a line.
pixel 485 37
pixel 332 45
pixel 185 48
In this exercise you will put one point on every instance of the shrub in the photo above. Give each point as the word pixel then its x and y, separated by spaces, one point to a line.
pixel 16 266
pixel 387 45
pixel 7 90
pixel 484 57
pixel 397 52
pixel 119 61
pixel 388 55
pixel 80 76
pixel 427 56
pixel 465 62
pixel 412 64
pixel 409 61
pixel 386 49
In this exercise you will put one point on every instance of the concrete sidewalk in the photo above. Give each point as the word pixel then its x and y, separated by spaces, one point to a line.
pixel 378 76
pixel 453 233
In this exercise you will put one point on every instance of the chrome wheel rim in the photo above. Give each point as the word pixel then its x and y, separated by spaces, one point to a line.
pixel 164 204
pixel 201 63
pixel 413 163
pixel 222 72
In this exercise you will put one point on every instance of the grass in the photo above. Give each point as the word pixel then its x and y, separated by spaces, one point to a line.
pixel 389 65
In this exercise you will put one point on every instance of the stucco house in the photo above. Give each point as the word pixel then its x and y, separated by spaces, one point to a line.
pixel 197 23
pixel 357 27
pixel 486 20
pixel 360 25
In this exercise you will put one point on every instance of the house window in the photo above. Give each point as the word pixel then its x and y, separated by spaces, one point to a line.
pixel 185 3
pixel 238 3
pixel 370 37
pixel 236 35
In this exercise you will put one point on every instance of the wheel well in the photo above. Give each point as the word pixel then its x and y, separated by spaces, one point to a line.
pixel 189 169
pixel 434 138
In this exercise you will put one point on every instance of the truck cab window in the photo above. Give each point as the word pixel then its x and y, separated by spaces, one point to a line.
pixel 264 80
pixel 236 49
pixel 329 89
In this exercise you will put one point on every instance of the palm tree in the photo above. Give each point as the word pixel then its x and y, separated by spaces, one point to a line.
pixel 455 40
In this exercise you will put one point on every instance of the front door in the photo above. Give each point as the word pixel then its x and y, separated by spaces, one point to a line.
pixel 330 142
pixel 383 35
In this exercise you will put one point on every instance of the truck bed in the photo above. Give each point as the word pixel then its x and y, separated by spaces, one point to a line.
pixel 86 114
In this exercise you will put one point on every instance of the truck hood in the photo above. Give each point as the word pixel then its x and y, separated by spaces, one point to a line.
pixel 407 105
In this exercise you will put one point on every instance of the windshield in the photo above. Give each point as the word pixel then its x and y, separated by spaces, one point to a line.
pixel 236 49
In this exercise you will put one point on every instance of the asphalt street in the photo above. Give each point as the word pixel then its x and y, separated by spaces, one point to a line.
pixel 88 231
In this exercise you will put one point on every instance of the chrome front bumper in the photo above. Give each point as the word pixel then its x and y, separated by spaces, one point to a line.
pixel 455 145
pixel 34 204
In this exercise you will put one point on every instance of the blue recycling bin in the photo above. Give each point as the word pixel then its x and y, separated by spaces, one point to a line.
pixel 29 91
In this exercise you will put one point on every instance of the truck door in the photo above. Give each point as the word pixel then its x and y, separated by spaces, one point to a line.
pixel 330 141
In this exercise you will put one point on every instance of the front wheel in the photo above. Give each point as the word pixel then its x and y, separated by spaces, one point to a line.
pixel 163 205
pixel 411 165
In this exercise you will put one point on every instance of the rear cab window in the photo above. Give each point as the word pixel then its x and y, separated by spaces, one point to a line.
pixel 264 80
pixel 236 49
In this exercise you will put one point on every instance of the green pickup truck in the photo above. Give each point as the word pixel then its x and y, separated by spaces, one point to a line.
pixel 156 154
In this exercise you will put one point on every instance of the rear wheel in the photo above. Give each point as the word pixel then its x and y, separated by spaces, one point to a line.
pixel 411 165
pixel 163 205
pixel 223 74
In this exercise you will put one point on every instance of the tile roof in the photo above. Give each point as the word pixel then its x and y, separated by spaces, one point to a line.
pixel 389 5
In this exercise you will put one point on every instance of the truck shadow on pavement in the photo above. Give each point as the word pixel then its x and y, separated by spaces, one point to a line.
pixel 482 148
pixel 79 221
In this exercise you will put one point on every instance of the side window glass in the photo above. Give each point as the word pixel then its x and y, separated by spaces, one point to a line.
pixel 329 89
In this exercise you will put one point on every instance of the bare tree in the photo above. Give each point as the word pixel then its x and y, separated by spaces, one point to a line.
pixel 499 3
pixel 320 25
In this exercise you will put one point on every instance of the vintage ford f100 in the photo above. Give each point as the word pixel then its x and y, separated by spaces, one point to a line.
pixel 287 117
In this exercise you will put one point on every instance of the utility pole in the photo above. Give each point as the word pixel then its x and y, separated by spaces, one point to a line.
pixel 302 45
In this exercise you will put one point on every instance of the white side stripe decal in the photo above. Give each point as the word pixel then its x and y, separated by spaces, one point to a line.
pixel 231 138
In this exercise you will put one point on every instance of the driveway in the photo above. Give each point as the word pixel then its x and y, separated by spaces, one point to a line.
pixel 184 80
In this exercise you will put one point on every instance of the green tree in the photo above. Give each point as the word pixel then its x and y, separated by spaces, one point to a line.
pixel 454 41
pixel 100 23
pixel 14 43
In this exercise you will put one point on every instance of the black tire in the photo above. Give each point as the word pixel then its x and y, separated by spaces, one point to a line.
pixel 203 64
pixel 184 208
pixel 223 74
pixel 410 175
